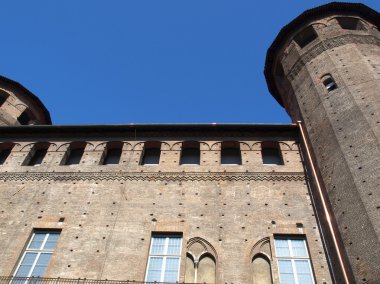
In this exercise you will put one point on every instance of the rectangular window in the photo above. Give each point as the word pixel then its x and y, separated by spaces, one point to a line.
pixel 4 154
pixel 271 156
pixel 293 261
pixel 151 156
pixel 190 154
pixel 37 254
pixel 37 157
pixel 75 155
pixel 112 157
pixel 164 258
pixel 305 37
pixel 230 153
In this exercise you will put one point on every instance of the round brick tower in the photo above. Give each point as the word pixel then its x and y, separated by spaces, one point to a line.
pixel 324 68
pixel 18 106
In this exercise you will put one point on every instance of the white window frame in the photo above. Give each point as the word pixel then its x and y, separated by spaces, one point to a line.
pixel 293 258
pixel 165 255
pixel 38 251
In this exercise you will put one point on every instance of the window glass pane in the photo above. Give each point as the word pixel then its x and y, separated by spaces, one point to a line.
pixel 41 264
pixel 286 272
pixel 174 246
pixel 303 271
pixel 299 248
pixel 37 255
pixel 154 269
pixel 158 245
pixel 231 156
pixel 51 241
pixel 190 156
pixel 26 264
pixel 171 269
pixel 112 157
pixel 37 241
pixel 151 156
pixel 282 248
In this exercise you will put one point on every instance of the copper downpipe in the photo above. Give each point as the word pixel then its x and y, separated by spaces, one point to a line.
pixel 324 204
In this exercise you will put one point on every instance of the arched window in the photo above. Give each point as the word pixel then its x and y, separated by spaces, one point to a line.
pixel 261 270
pixel 261 262
pixel 329 83
pixel 200 262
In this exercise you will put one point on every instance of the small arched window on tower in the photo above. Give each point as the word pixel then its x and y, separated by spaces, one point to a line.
pixel 305 37
pixel 3 97
pixel 349 23
pixel 329 83
pixel 27 118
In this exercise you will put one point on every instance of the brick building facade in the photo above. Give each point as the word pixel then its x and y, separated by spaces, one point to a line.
pixel 207 203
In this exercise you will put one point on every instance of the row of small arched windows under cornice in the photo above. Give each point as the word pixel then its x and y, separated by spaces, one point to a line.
pixel 150 151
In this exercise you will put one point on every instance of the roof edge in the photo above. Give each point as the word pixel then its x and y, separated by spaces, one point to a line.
pixel 32 96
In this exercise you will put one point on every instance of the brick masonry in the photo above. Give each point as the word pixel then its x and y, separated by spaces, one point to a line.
pixel 343 125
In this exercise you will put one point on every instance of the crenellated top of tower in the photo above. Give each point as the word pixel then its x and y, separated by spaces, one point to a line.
pixel 310 29
pixel 19 106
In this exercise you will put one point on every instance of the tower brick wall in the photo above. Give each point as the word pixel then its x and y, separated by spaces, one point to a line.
pixel 342 120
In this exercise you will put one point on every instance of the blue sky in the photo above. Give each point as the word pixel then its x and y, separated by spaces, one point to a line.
pixel 157 61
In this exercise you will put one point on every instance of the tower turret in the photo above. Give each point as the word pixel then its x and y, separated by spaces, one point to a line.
pixel 324 68
pixel 18 106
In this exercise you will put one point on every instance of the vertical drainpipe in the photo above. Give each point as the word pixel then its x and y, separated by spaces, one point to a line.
pixel 326 212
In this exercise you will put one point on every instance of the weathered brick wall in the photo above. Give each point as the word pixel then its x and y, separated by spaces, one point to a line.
pixel 344 129
pixel 111 211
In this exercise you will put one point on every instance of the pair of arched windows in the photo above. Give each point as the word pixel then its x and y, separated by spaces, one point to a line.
pixel 200 262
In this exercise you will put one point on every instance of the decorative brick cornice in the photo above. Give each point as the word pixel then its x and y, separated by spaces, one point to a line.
pixel 328 44
pixel 169 176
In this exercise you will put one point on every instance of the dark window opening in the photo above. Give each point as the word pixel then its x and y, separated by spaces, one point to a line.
pixel 230 153
pixel 112 156
pixel 152 152
pixel 305 37
pixel 271 153
pixel 38 157
pixel 348 23
pixel 24 118
pixel 3 97
pixel 329 84
pixel 190 154
pixel 75 153
pixel 4 154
